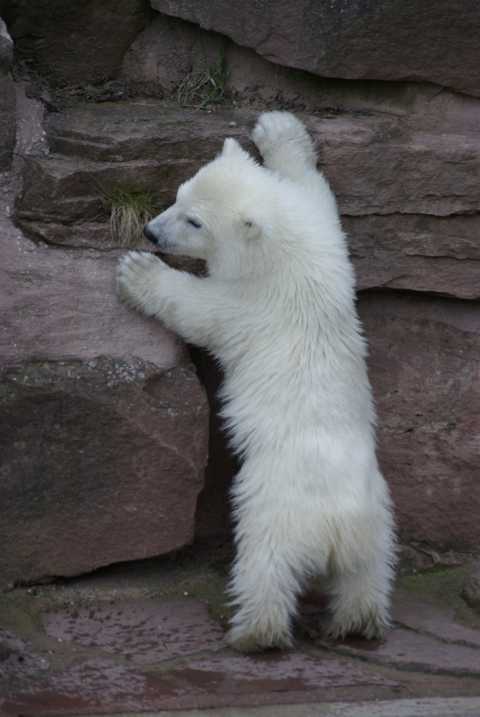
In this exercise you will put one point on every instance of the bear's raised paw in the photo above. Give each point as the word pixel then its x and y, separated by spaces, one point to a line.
pixel 274 129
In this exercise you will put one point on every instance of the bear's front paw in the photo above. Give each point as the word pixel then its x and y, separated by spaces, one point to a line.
pixel 275 129
pixel 135 276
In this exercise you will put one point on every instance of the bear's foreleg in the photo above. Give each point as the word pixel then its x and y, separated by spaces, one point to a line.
pixel 287 149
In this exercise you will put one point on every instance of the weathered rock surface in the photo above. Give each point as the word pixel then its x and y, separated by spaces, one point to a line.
pixel 101 462
pixel 104 425
pixel 70 42
pixel 170 49
pixel 65 201
pixel 251 77
pixel 149 638
pixel 405 176
pixel 435 42
pixel 7 99
pixel 425 373
pixel 96 149
pixel 143 129
pixel 417 251
pixel 166 52
pixel 62 305
pixel 406 181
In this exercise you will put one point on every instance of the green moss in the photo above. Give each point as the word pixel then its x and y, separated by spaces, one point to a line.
pixel 19 614
pixel 205 582
pixel 443 587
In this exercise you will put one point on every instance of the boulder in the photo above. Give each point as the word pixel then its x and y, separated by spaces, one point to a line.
pixel 104 425
pixel 102 462
pixel 424 369
pixel 405 180
pixel 434 41
pixel 68 42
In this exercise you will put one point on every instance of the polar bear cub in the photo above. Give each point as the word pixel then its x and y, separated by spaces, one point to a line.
pixel 278 310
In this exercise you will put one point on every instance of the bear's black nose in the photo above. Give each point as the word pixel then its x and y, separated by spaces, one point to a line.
pixel 149 234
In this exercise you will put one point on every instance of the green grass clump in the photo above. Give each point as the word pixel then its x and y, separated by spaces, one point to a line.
pixel 130 209
pixel 201 88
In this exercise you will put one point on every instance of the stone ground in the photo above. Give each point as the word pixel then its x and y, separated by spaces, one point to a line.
pixel 148 637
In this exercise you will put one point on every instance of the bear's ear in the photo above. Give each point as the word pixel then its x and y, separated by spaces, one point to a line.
pixel 231 148
pixel 251 228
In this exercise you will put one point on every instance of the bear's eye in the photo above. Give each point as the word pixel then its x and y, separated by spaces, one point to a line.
pixel 194 223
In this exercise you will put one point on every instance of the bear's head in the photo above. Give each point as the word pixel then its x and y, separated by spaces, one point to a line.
pixel 221 215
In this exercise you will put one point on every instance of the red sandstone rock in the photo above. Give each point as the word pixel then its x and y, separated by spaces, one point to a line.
pixel 167 52
pixel 424 369
pixel 70 42
pixel 424 351
pixel 103 422
pixel 434 41
pixel 404 181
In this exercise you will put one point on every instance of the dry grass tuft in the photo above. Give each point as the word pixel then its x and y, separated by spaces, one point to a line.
pixel 130 209
pixel 201 88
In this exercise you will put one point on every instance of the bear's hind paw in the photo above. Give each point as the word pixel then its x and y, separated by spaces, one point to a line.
pixel 256 641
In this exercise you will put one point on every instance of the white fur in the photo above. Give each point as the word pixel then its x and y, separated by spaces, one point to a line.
pixel 278 311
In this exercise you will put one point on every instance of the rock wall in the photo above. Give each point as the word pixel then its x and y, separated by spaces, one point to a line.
pixel 433 41
pixel 104 421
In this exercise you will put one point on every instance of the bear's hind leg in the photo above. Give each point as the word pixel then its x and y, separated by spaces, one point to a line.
pixel 285 145
pixel 360 592
pixel 267 576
